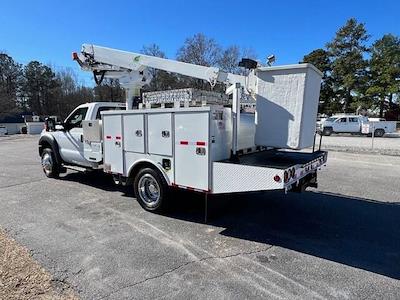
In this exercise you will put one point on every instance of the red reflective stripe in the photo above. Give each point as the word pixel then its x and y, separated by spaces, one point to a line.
pixel 200 143
pixel 108 137
pixel 117 137
pixel 184 142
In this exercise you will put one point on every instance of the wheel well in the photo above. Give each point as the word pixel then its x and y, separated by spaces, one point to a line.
pixel 43 145
pixel 49 142
pixel 141 165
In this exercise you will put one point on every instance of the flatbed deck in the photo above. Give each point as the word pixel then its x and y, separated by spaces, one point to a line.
pixel 278 159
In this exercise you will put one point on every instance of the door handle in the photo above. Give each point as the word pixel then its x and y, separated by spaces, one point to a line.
pixel 82 138
pixel 165 134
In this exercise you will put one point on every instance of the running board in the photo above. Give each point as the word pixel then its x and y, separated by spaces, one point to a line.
pixel 76 168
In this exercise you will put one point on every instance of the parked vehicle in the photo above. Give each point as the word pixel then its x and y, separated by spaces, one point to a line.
pixel 187 138
pixel 3 130
pixel 356 125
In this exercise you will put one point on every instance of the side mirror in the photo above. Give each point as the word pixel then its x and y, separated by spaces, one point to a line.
pixel 49 124
pixel 60 126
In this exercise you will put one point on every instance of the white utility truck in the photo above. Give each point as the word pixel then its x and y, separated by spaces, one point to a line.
pixel 355 124
pixel 191 139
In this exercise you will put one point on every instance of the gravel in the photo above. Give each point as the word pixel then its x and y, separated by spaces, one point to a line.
pixel 21 277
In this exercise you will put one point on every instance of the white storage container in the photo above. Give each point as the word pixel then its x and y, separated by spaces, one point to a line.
pixel 287 105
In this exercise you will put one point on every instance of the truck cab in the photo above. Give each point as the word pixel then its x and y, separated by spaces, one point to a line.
pixel 66 138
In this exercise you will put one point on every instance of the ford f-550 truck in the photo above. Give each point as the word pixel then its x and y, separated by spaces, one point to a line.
pixel 191 139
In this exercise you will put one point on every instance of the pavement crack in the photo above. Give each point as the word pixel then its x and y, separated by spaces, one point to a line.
pixel 17 184
pixel 206 258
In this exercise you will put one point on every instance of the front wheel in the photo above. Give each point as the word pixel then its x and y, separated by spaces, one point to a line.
pixel 150 189
pixel 49 164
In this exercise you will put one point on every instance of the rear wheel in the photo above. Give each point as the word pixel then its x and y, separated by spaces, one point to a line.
pixel 49 164
pixel 379 132
pixel 150 189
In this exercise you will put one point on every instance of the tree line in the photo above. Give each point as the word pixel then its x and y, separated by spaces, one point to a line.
pixel 355 76
pixel 38 88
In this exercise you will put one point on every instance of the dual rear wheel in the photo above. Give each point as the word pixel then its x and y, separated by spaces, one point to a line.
pixel 150 189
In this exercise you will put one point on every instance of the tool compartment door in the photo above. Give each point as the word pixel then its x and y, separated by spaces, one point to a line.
pixel 133 133
pixel 113 143
pixel 192 150
pixel 159 133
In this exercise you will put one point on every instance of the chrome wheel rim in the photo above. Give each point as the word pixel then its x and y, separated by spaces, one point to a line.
pixel 149 190
pixel 47 163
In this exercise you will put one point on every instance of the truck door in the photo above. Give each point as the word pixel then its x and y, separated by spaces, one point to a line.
pixel 113 143
pixel 354 124
pixel 160 134
pixel 340 125
pixel 192 150
pixel 134 133
pixel 70 140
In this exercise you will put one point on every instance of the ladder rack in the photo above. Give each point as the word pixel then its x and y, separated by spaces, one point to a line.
pixel 192 96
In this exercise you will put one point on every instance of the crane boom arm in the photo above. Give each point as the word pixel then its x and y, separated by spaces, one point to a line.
pixel 97 58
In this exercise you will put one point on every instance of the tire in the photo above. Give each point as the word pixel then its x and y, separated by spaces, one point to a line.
pixel 327 131
pixel 150 189
pixel 49 164
pixel 379 132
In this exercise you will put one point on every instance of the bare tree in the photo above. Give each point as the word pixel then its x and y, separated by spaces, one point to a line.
pixel 161 80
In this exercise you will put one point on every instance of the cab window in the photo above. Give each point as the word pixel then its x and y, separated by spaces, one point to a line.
pixel 105 108
pixel 342 120
pixel 353 120
pixel 75 120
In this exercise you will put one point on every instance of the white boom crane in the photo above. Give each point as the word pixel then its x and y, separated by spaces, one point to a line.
pixel 132 70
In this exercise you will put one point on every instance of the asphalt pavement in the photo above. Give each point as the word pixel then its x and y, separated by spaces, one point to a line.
pixel 340 241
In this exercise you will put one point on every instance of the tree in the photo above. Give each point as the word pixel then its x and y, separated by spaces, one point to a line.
pixel 385 71
pixel 109 90
pixel 70 94
pixel 199 50
pixel 321 59
pixel 10 77
pixel 347 51
pixel 230 57
pixel 161 80
pixel 39 88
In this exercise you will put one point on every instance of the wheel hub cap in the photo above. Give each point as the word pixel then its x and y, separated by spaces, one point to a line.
pixel 149 190
pixel 47 163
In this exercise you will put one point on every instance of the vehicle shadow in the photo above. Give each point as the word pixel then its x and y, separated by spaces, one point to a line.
pixel 357 232
pixel 97 179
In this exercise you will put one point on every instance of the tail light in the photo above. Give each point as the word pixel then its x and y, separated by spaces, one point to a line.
pixel 286 176
pixel 277 178
pixel 293 173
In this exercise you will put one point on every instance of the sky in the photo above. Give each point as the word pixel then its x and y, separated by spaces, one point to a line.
pixel 49 31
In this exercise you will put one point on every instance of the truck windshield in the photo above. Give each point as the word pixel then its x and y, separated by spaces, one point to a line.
pixel 331 119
